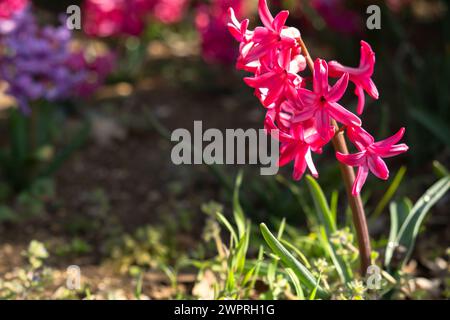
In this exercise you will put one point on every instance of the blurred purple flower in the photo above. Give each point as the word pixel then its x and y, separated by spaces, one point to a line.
pixel 35 62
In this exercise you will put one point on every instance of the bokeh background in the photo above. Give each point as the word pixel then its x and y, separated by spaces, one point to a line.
pixel 87 180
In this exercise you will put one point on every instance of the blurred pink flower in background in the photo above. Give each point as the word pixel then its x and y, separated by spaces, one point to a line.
pixel 9 7
pixel 337 16
pixel 169 11
pixel 94 69
pixel 211 21
pixel 8 10
pixel 397 5
pixel 105 18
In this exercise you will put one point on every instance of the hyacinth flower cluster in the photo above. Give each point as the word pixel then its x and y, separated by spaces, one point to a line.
pixel 306 114
pixel 104 18
pixel 37 63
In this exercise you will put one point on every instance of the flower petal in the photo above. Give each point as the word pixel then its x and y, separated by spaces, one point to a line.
pixel 353 160
pixel 264 14
pixel 337 91
pixel 280 20
pixel 359 92
pixel 342 115
pixel 310 164
pixel 360 137
pixel 391 140
pixel 320 82
pixel 378 167
pixel 287 153
pixel 300 163
pixel 361 177
pixel 322 123
pixel 394 150
pixel 307 98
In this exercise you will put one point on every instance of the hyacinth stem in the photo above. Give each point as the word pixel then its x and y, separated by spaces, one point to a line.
pixel 356 205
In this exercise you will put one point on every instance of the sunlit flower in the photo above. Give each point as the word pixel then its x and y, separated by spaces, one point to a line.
pixel 321 103
pixel 277 78
pixel 370 155
pixel 360 76
pixel 263 40
pixel 294 147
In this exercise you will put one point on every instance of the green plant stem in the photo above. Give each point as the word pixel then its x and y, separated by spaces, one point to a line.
pixel 355 202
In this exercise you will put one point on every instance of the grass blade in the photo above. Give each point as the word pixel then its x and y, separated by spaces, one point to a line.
pixel 289 261
pixel 237 209
pixel 296 283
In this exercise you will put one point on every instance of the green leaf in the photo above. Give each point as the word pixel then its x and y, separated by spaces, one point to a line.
pixel 410 228
pixel 389 193
pixel 321 204
pixel 334 204
pixel 398 212
pixel 241 249
pixel 439 169
pixel 303 274
pixel 297 252
pixel 227 224
pixel 329 226
pixel 312 296
pixel 281 228
pixel 237 209
pixel 296 283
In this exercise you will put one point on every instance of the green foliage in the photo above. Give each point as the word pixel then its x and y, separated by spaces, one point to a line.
pixel 301 272
pixel 143 249
pixel 406 221
pixel 31 150
pixel 28 282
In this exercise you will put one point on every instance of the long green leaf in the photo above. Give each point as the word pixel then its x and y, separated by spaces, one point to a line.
pixel 289 261
pixel 296 283
pixel 321 204
pixel 410 228
pixel 227 224
pixel 326 216
pixel 399 211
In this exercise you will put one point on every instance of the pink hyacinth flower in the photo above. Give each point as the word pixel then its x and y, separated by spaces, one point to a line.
pixel 277 78
pixel 273 36
pixel 360 76
pixel 321 103
pixel 370 155
pixel 294 147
